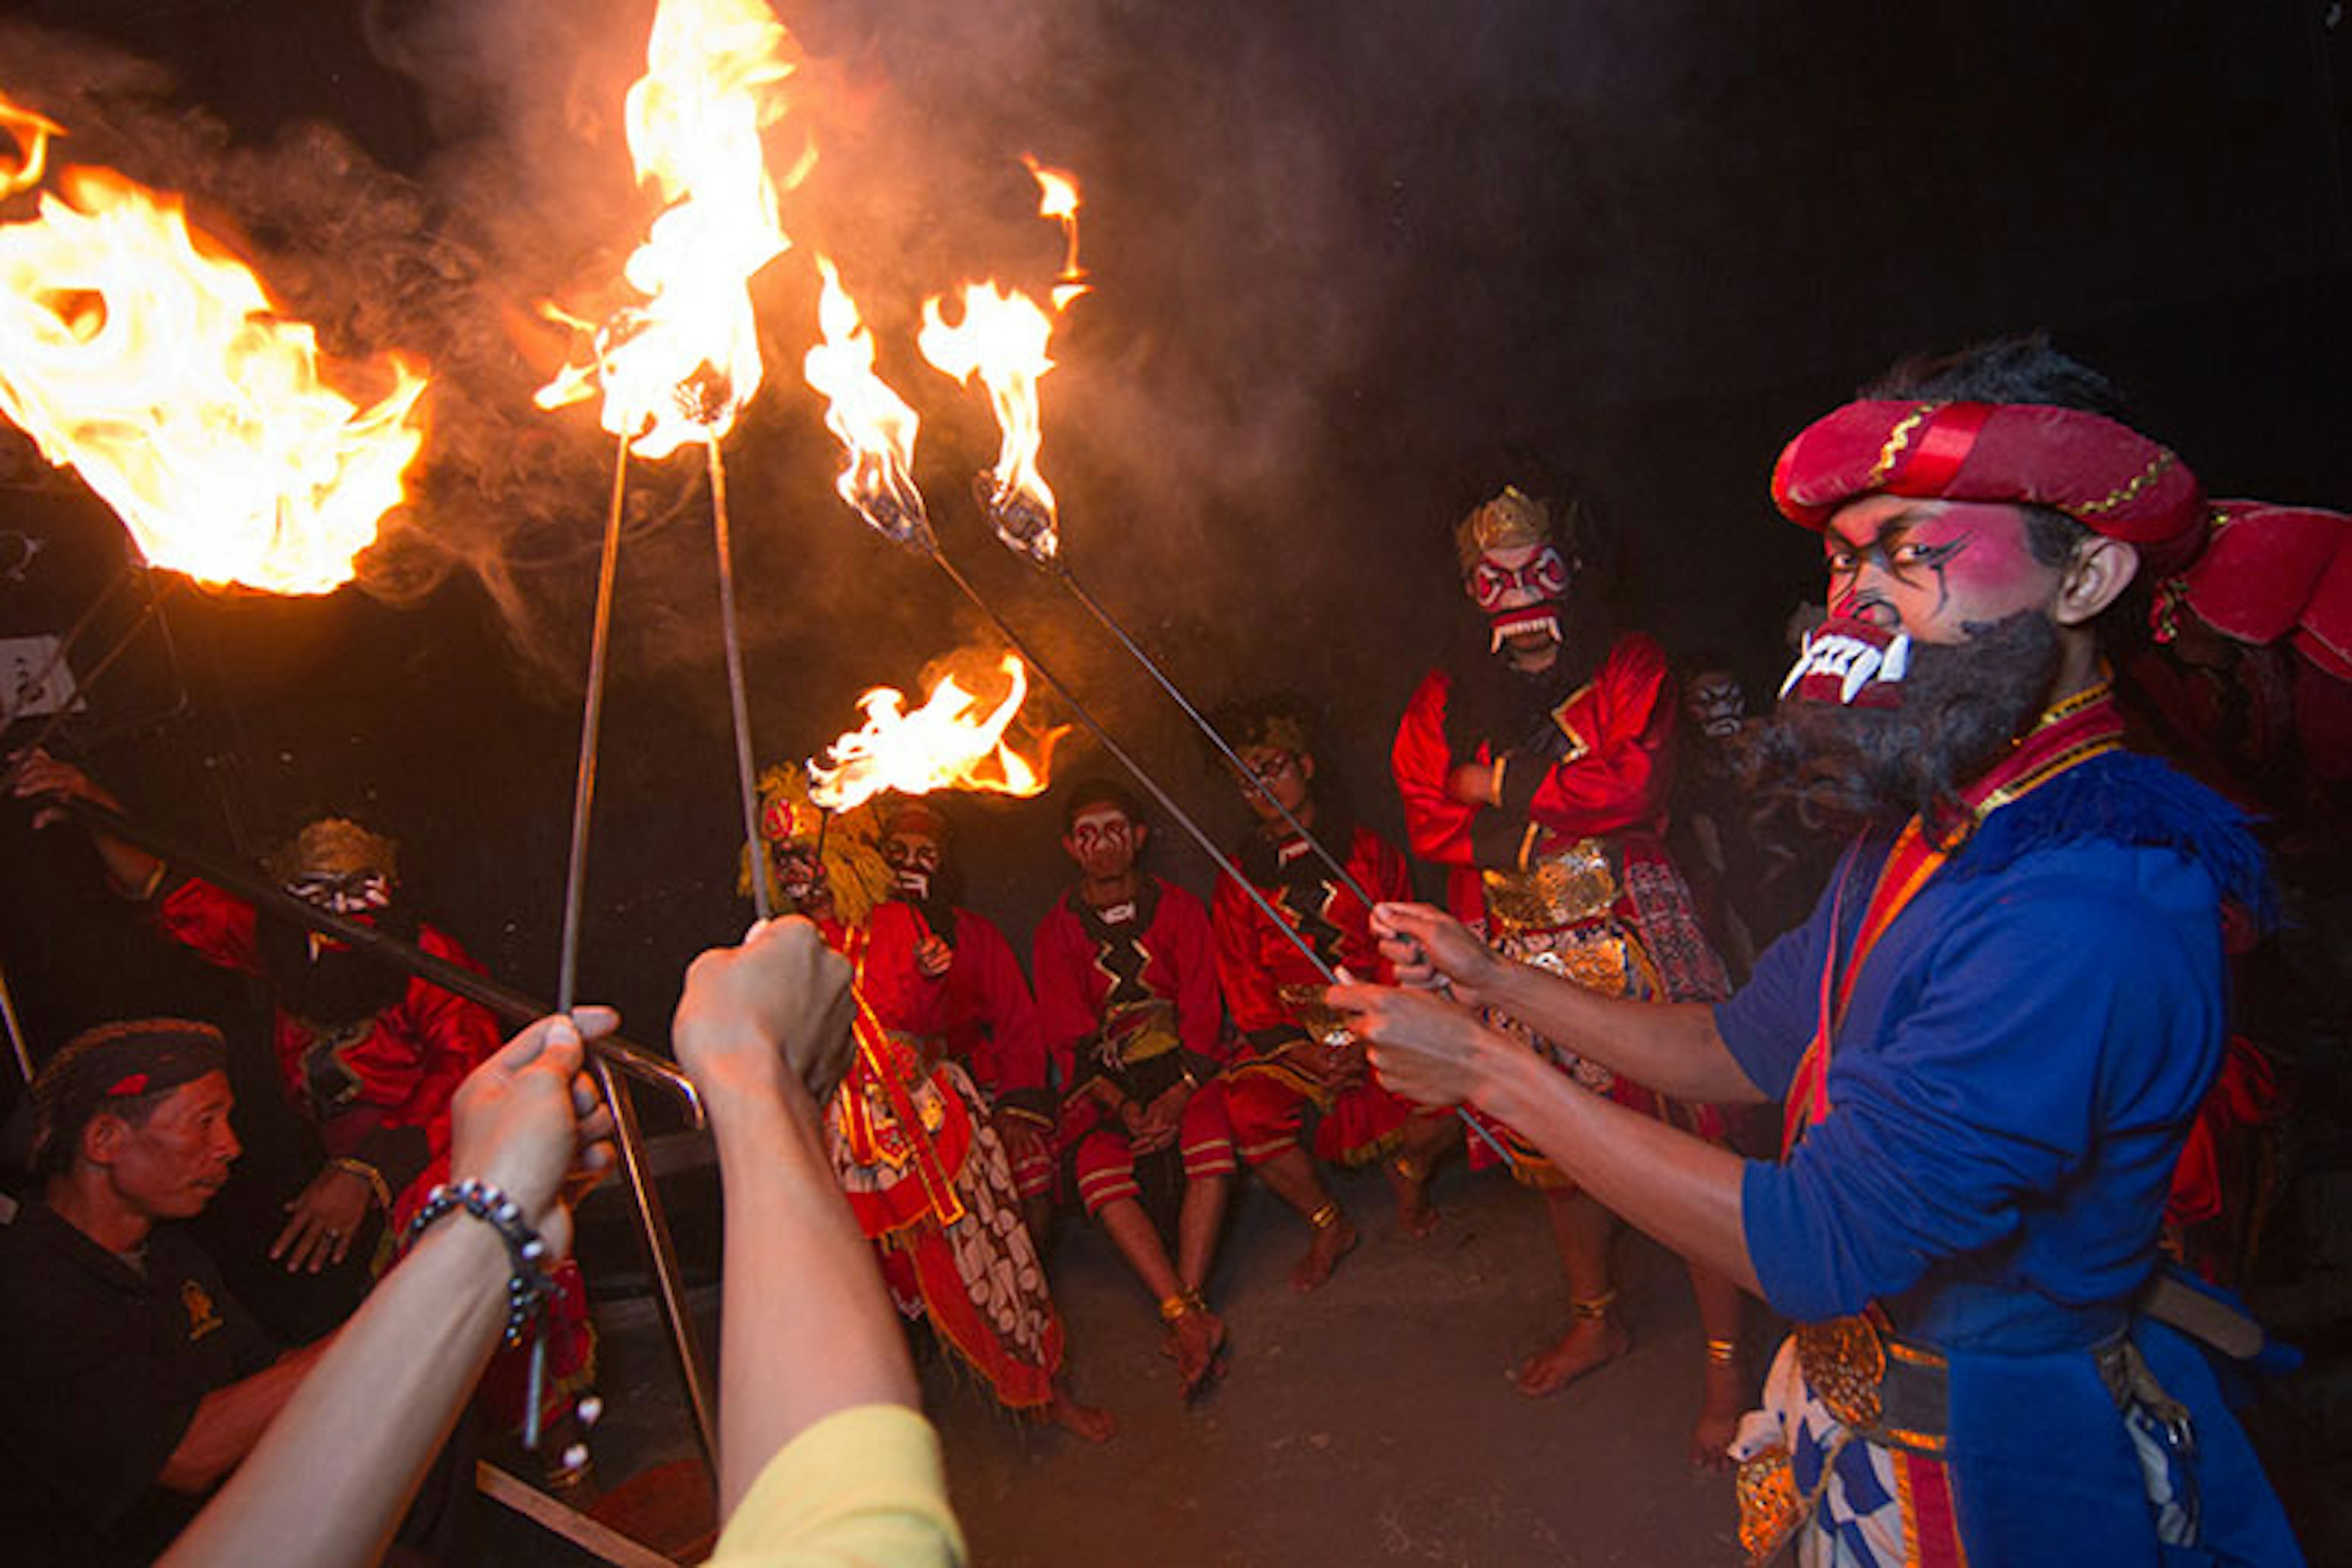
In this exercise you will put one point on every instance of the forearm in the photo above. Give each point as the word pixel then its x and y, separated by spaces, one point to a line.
pixel 805 1327
pixel 229 1421
pixel 1672 1047
pixel 380 1402
pixel 1682 1190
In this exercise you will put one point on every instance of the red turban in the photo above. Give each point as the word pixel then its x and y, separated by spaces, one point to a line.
pixel 2106 476
pixel 2275 572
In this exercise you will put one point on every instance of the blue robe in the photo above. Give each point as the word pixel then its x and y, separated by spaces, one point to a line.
pixel 2021 1056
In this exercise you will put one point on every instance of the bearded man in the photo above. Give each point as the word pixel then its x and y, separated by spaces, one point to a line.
pixel 1991 1037
pixel 909 1133
pixel 990 1024
pixel 1536 767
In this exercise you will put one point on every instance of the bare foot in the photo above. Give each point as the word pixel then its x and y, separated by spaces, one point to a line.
pixel 1414 1215
pixel 1590 1342
pixel 1333 1243
pixel 1719 1416
pixel 1080 1420
pixel 1197 1340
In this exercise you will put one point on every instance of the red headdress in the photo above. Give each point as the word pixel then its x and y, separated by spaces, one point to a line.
pixel 2106 476
pixel 2272 572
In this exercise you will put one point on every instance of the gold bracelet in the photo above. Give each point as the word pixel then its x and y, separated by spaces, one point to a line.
pixel 377 1187
pixel 1495 775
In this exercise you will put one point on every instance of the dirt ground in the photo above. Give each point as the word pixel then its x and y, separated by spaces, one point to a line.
pixel 1369 1422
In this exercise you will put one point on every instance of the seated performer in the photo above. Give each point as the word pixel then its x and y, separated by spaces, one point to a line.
pixel 368 1052
pixel 1991 1035
pixel 1535 767
pixel 990 1023
pixel 1127 988
pixel 824 1455
pixel 909 1135
pixel 130 1380
pixel 1296 1058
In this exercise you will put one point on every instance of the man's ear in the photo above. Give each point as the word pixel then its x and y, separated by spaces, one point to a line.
pixel 1306 765
pixel 101 1137
pixel 1139 832
pixel 2097 575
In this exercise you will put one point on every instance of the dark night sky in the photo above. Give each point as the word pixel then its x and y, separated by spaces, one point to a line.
pixel 1349 251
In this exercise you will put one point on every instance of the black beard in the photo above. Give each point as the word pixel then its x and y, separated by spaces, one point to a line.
pixel 343 985
pixel 1850 767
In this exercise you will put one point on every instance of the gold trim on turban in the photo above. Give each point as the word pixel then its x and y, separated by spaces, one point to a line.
pixel 335 846
pixel 1513 519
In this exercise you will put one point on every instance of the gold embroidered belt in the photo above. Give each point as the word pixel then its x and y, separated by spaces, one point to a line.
pixel 1568 883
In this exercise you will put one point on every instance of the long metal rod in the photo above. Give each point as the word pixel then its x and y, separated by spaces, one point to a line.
pixel 17 1043
pixel 592 721
pixel 514 1006
pixel 669 1280
pixel 106 661
pixel 1167 804
pixel 1062 573
pixel 64 649
pixel 736 696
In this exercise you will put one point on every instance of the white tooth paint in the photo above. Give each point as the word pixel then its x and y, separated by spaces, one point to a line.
pixel 1857 676
pixel 1898 657
pixel 1797 671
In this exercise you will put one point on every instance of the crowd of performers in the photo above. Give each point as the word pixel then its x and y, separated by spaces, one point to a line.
pixel 1982 932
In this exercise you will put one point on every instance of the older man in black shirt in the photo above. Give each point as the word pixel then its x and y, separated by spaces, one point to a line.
pixel 130 1382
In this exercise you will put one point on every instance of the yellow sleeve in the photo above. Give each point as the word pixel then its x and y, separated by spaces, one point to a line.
pixel 864 1488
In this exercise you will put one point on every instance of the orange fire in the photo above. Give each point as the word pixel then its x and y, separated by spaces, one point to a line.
pixel 1003 340
pixel 874 422
pixel 31 132
pixel 680 362
pixel 947 743
pixel 164 375
pixel 1058 199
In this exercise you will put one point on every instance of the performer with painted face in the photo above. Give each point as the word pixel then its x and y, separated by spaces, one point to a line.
pixel 1535 768
pixel 1297 1062
pixel 1991 1037
pixel 909 1134
pixel 990 1023
pixel 1126 989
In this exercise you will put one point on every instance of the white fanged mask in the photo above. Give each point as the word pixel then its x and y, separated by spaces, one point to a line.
pixel 1848 662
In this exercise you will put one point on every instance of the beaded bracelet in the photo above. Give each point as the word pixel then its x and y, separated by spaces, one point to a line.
pixel 529 1286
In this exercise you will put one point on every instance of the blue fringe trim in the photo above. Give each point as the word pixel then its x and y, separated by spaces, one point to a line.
pixel 2123 798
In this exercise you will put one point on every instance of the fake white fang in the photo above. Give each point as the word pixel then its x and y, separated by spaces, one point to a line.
pixel 1851 662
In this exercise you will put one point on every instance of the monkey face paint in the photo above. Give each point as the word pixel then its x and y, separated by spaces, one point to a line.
pixel 1938 572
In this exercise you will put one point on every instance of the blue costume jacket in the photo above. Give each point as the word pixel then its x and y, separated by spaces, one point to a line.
pixel 2021 1056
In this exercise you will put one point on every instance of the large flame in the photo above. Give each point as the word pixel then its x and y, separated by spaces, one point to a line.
pixel 167 378
pixel 947 743
pixel 677 365
pixel 876 426
pixel 1002 339
pixel 31 132
pixel 1057 198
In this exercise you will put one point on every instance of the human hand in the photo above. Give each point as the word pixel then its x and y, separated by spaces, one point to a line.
pixel 326 1215
pixel 1430 949
pixel 1425 1047
pixel 1023 1139
pixel 525 1118
pixel 1472 784
pixel 1163 1117
pixel 36 773
pixel 933 957
pixel 771 1017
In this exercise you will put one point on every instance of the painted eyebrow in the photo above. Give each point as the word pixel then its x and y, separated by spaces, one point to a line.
pixel 1901 520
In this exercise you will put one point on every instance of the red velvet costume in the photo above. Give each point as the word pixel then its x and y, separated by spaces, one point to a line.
pixel 379 1092
pixel 927 1176
pixel 1133 1000
pixel 990 1024
pixel 1568 870
pixel 1266 1096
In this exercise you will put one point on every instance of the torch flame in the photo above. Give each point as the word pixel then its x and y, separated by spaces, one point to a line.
pixel 944 744
pixel 679 364
pixel 1003 340
pixel 167 378
pixel 31 133
pixel 1057 198
pixel 874 422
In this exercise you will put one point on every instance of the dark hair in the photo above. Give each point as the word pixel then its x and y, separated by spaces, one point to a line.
pixel 1087 794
